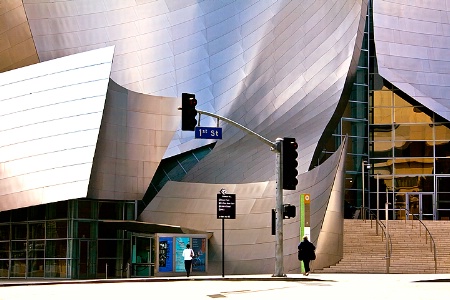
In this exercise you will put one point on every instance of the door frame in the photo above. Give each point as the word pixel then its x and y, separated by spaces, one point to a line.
pixel 420 204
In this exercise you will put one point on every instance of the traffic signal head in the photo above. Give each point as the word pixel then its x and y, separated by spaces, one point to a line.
pixel 188 112
pixel 289 211
pixel 289 156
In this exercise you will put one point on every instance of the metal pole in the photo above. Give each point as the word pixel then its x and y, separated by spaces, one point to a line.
pixel 363 191
pixel 223 247
pixel 388 255
pixel 279 266
pixel 378 201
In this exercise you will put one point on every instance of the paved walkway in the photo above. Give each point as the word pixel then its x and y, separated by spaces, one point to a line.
pixel 261 287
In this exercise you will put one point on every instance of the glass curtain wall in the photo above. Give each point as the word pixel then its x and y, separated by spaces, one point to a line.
pixel 64 240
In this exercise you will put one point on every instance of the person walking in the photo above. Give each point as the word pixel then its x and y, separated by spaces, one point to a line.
pixel 306 253
pixel 188 254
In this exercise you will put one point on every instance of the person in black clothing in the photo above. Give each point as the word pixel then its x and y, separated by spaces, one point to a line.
pixel 306 253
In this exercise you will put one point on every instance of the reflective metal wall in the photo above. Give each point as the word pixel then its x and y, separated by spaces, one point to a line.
pixel 277 67
pixel 249 245
pixel 50 116
pixel 135 132
pixel 17 47
pixel 412 41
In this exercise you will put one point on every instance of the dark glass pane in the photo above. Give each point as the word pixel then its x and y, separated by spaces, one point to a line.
pixel 56 229
pixel 84 209
pixel 107 248
pixel 18 268
pixel 105 231
pixel 4 265
pixel 18 249
pixel 56 248
pixel 19 215
pixel 19 231
pixel 4 250
pixel 36 268
pixel 110 211
pixel 414 149
pixel 36 212
pixel 36 231
pixel 36 249
pixel 5 216
pixel 57 210
pixel 84 230
pixel 4 232
pixel 443 167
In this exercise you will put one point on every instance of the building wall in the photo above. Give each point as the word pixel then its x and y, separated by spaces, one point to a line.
pixel 277 67
pixel 50 116
pixel 17 47
pixel 249 245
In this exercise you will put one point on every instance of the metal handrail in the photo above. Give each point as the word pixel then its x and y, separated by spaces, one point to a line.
pixel 386 235
pixel 432 243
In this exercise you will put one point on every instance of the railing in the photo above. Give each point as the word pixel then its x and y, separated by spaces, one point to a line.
pixel 386 235
pixel 364 210
pixel 427 233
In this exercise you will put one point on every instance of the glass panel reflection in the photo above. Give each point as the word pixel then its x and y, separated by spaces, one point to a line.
pixel 413 149
pixel 18 268
pixel 36 268
pixel 56 249
pixel 4 265
pixel 413 132
pixel 56 268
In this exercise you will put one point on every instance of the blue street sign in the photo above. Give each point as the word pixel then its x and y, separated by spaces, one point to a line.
pixel 208 133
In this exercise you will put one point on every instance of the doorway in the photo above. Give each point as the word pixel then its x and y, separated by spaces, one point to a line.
pixel 420 206
pixel 87 266
pixel 142 256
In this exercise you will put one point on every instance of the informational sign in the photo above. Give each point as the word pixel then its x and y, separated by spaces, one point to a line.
pixel 199 259
pixel 226 206
pixel 208 133
pixel 180 245
pixel 165 254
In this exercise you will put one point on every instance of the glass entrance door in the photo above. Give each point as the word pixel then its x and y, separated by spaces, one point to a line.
pixel 420 206
pixel 142 256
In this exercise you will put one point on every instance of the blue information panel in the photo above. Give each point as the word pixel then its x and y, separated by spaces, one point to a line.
pixel 208 133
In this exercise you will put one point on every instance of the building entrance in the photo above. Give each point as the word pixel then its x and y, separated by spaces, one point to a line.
pixel 420 206
pixel 142 256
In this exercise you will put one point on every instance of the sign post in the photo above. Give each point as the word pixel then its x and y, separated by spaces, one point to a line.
pixel 226 209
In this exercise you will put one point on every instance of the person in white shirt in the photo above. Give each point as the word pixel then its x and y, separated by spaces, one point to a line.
pixel 188 253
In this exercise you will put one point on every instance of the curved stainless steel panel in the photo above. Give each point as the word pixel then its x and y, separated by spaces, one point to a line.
pixel 249 243
pixel 412 43
pixel 272 66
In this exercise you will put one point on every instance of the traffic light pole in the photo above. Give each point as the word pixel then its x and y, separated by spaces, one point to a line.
pixel 276 147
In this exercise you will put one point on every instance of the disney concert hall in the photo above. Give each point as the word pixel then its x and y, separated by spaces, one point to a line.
pixel 99 179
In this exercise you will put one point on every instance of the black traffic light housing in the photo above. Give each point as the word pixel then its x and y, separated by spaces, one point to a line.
pixel 289 155
pixel 188 112
pixel 289 211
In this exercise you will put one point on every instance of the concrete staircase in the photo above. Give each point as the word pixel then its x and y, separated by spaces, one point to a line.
pixel 364 251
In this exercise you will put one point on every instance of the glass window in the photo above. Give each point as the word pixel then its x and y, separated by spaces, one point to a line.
pixel 56 229
pixel 18 249
pixel 19 231
pixel 4 232
pixel 84 230
pixel 410 115
pixel 382 150
pixel 110 210
pixel 36 268
pixel 413 165
pixel 382 115
pixel 18 268
pixel 36 212
pixel 107 248
pixel 36 231
pixel 383 97
pixel 4 250
pixel 18 215
pixel 413 132
pixel 57 210
pixel 56 248
pixel 56 268
pixel 36 249
pixel 84 209
pixel 413 149
pixel 4 265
